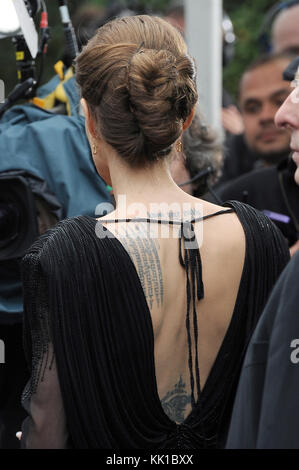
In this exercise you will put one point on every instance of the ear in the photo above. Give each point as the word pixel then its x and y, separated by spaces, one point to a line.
pixel 189 120
pixel 89 120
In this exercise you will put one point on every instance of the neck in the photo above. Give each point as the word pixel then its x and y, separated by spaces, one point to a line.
pixel 144 185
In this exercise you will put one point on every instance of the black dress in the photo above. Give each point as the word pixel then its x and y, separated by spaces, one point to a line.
pixel 84 300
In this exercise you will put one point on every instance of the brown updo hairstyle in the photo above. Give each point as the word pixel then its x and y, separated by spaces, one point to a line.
pixel 140 86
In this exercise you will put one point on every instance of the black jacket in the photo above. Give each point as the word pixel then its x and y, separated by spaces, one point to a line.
pixel 266 411
pixel 238 158
pixel 272 190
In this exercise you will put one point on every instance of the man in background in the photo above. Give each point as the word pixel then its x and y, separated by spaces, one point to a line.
pixel 273 189
pixel 175 15
pixel 262 90
pixel 266 412
pixel 285 31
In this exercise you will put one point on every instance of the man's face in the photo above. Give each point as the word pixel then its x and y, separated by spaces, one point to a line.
pixel 287 117
pixel 262 92
pixel 285 32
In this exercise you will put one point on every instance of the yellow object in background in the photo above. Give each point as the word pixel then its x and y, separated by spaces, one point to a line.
pixel 59 69
pixel 49 101
pixel 20 55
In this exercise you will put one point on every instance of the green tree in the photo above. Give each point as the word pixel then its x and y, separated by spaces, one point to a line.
pixel 247 18
pixel 56 45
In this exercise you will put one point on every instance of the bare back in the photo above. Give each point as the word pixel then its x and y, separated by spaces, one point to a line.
pixel 163 280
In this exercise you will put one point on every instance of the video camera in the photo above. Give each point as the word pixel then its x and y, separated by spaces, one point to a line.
pixel 27 209
pixel 29 45
pixel 26 203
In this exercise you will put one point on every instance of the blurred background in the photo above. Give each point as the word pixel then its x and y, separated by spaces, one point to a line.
pixel 247 19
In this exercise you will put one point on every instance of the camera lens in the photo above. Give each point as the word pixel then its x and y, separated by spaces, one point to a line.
pixel 9 221
pixel 18 221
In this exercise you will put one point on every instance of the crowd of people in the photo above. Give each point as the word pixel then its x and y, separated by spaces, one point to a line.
pixel 137 339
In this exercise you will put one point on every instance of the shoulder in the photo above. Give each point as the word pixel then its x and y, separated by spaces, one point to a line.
pixel 240 217
pixel 61 243
pixel 252 218
pixel 264 240
pixel 255 223
pixel 223 235
pixel 73 258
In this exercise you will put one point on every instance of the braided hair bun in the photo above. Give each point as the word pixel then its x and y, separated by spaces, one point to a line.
pixel 140 87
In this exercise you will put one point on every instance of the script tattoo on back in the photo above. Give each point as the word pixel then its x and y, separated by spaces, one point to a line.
pixel 144 253
pixel 174 403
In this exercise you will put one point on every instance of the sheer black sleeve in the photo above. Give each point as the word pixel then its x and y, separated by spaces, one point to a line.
pixel 45 427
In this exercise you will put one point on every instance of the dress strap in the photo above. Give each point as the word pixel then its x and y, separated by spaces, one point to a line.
pixel 190 259
pixel 171 222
